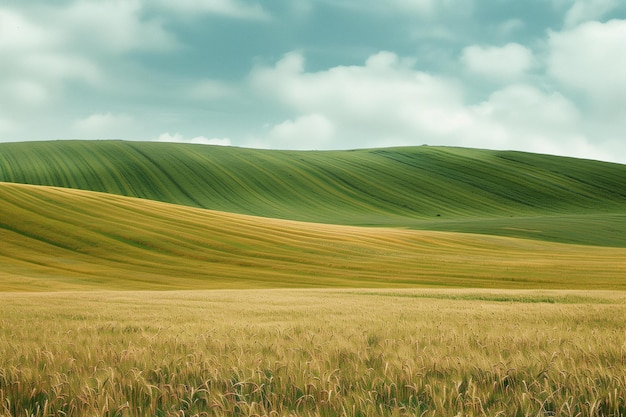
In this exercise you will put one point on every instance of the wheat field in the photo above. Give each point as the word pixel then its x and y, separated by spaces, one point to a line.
pixel 313 353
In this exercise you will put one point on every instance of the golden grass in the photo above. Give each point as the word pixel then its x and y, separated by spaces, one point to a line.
pixel 62 239
pixel 313 353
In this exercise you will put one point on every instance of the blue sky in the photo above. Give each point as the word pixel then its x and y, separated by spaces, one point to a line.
pixel 545 76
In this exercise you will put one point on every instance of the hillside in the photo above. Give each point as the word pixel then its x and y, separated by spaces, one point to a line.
pixel 63 239
pixel 478 191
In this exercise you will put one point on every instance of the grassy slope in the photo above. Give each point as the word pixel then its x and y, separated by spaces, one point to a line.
pixel 501 193
pixel 61 239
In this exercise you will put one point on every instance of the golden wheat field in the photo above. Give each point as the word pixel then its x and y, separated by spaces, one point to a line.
pixel 314 353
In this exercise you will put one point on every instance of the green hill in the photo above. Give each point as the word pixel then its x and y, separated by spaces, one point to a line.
pixel 479 191
pixel 63 239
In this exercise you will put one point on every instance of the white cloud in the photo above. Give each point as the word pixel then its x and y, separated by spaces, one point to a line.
pixel 25 92
pixel 114 26
pixel 385 98
pixel 524 117
pixel 177 137
pixel 21 37
pixel 509 62
pixel 378 97
pixel 54 67
pixel 387 102
pixel 42 49
pixel 311 131
pixel 586 10
pixel 104 126
pixel 591 58
pixel 87 26
pixel 19 34
pixel 228 8
pixel 526 108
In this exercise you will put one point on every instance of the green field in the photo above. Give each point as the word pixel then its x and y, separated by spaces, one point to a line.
pixel 433 188
pixel 313 353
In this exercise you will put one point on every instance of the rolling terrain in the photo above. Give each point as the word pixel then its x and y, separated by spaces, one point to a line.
pixel 451 189
pixel 525 257
pixel 125 215
pixel 64 239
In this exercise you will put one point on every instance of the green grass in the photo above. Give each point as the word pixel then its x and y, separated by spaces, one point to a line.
pixel 313 353
pixel 601 229
pixel 63 239
pixel 465 190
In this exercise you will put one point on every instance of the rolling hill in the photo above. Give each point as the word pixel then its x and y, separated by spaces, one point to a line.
pixel 78 215
pixel 63 239
pixel 431 188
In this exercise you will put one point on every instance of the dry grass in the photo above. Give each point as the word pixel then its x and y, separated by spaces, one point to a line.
pixel 313 353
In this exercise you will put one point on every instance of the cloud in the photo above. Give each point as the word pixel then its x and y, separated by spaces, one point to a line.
pixel 30 48
pixel 381 99
pixel 104 126
pixel 587 10
pixel 384 89
pixel 227 8
pixel 591 58
pixel 114 26
pixel 54 67
pixel 45 49
pixel 509 62
pixel 19 34
pixel 386 102
pixel 311 131
pixel 523 117
pixel 177 137
pixel 24 92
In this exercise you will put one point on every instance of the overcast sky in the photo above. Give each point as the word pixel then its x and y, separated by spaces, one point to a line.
pixel 546 76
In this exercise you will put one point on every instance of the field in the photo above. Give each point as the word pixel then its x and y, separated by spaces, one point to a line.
pixel 314 353
pixel 500 193
pixel 147 279
pixel 62 239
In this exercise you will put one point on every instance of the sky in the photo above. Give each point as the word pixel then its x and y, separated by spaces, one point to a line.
pixel 546 76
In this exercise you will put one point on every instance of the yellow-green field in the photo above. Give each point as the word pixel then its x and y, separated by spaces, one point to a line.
pixel 63 239
pixel 313 353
